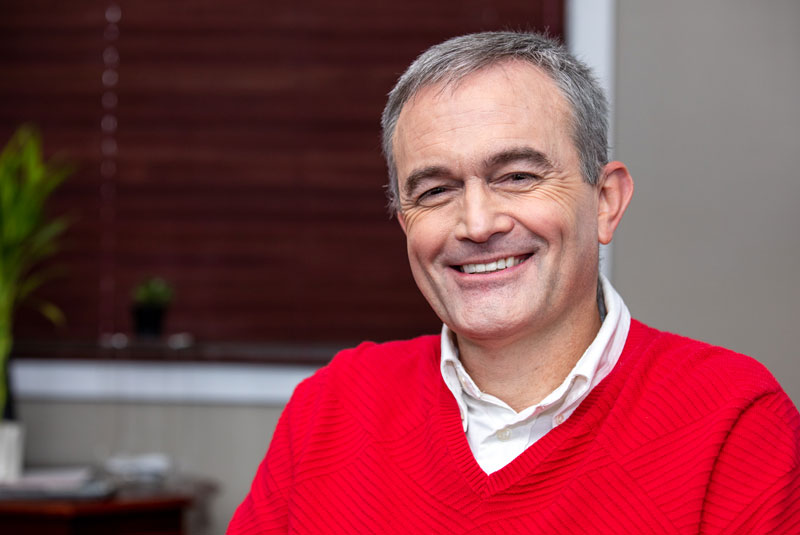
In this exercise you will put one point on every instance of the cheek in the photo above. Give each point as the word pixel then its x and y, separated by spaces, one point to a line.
pixel 419 243
pixel 565 222
pixel 427 229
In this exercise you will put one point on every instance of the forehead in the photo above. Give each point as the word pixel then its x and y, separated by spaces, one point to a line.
pixel 508 104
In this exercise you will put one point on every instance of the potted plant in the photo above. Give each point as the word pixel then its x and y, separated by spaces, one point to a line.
pixel 27 236
pixel 151 299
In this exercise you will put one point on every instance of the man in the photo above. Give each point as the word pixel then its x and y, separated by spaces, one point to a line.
pixel 542 407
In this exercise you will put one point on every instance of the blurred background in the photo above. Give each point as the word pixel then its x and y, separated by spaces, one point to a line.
pixel 231 150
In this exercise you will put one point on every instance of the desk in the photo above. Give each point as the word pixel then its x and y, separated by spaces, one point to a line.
pixel 138 512
pixel 161 515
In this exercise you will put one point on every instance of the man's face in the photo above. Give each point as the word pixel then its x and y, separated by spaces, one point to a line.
pixel 501 228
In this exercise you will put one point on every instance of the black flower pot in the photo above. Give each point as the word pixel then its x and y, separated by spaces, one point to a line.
pixel 148 320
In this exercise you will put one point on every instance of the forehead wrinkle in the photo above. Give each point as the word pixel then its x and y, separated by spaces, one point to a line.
pixel 430 126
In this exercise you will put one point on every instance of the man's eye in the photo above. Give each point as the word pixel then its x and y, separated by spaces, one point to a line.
pixel 517 180
pixel 438 190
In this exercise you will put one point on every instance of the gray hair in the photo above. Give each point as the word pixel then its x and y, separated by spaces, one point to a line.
pixel 456 58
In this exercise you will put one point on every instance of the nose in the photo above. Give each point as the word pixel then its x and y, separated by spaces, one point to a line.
pixel 482 214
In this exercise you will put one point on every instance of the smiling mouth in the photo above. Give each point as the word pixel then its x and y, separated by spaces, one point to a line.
pixel 491 267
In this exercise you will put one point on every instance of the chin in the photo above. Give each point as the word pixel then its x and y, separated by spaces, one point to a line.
pixel 494 329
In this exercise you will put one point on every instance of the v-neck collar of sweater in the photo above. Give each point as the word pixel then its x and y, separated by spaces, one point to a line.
pixel 582 422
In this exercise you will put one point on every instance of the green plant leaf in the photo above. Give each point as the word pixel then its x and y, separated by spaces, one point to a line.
pixel 42 242
pixel 51 312
pixel 34 280
pixel 153 291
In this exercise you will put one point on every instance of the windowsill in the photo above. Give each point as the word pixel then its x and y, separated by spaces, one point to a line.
pixel 164 382
pixel 172 370
pixel 169 382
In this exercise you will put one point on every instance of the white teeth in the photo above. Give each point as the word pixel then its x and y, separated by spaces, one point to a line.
pixel 498 265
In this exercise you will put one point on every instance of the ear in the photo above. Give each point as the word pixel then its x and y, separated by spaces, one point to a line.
pixel 614 190
pixel 402 221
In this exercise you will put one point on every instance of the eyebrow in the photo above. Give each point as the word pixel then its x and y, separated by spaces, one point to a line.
pixel 521 154
pixel 413 180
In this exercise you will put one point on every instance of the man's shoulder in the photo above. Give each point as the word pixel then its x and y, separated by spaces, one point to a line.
pixel 691 363
pixel 668 388
pixel 388 356
pixel 372 388
pixel 385 367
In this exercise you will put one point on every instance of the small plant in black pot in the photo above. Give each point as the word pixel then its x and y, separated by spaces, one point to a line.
pixel 151 299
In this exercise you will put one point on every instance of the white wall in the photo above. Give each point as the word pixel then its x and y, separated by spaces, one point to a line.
pixel 708 120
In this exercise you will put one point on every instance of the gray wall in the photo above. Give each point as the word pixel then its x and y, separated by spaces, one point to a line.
pixel 708 121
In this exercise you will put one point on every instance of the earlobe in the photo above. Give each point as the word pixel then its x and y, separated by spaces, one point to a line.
pixel 615 190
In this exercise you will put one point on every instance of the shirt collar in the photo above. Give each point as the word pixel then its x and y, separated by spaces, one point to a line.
pixel 593 366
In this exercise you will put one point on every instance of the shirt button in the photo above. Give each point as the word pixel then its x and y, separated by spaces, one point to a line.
pixel 504 434
pixel 559 419
pixel 462 380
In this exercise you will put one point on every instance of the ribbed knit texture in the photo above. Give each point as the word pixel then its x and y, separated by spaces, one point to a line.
pixel 681 437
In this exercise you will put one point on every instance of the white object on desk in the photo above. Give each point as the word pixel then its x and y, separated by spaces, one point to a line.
pixel 11 448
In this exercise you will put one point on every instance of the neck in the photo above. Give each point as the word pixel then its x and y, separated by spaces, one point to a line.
pixel 523 371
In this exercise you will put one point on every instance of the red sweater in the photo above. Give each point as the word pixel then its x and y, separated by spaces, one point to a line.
pixel 681 437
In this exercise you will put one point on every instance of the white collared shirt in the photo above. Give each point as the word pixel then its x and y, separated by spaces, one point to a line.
pixel 496 433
